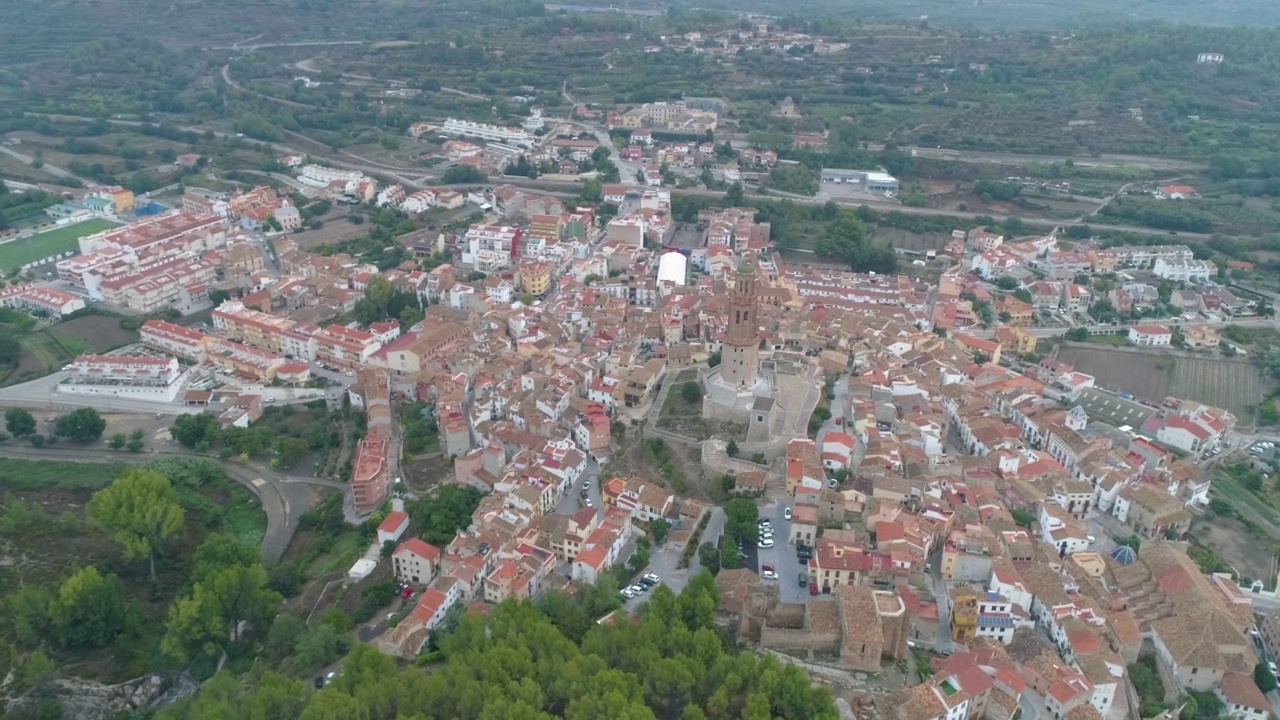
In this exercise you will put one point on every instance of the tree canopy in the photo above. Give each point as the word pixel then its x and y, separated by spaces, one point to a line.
pixel 519 663
pixel 83 425
pixel 89 609
pixel 19 422
pixel 142 512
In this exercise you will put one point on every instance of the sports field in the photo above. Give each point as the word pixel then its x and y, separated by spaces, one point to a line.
pixel 17 253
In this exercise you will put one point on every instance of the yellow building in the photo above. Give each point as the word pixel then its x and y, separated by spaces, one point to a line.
pixel 964 613
pixel 535 277
pixel 121 198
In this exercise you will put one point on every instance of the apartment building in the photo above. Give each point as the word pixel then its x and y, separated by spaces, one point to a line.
pixel 176 340
pixel 415 562
pixel 485 131
pixel 54 303
pixel 344 346
pixel 126 376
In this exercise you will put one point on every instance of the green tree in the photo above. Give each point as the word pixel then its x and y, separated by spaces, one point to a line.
pixel 741 515
pixel 288 452
pixel 463 175
pixel 1007 282
pixel 19 422
pixel 89 610
pixel 27 609
pixel 735 197
pixel 592 189
pixel 658 530
pixel 193 429
pixel 690 392
pixel 82 425
pixel 117 441
pixel 445 512
pixel 141 511
pixel 1264 678
pixel 709 557
pixel 379 291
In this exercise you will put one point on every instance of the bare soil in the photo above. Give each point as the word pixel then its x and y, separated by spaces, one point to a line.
pixel 1140 375
pixel 1233 541
pixel 336 229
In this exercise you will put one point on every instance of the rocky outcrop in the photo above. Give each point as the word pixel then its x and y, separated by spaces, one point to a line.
pixel 88 700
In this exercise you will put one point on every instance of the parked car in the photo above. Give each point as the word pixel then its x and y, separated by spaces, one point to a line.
pixel 653 578
pixel 804 579
pixel 813 589
pixel 765 543
pixel 319 682
pixel 786 514
pixel 769 575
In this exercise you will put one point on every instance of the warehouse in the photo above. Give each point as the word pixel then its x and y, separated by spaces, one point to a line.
pixel 861 180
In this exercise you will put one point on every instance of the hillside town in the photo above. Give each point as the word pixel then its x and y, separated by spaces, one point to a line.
pixel 926 492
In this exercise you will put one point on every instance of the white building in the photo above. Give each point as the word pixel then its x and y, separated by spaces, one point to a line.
pixel 484 131
pixel 125 376
pixel 34 299
pixel 415 561
pixel 673 267
pixel 1197 271
pixel 321 176
pixel 1152 335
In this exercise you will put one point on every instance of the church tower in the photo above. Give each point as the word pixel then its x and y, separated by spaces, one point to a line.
pixel 740 355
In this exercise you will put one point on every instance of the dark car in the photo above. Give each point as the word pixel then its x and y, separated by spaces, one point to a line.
pixel 319 682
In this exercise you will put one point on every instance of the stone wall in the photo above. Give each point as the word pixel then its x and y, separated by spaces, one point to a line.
pixel 800 641
pixel 787 615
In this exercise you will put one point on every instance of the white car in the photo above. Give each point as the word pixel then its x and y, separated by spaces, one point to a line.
pixel 786 514
pixel 769 575
pixel 652 578
pixel 765 543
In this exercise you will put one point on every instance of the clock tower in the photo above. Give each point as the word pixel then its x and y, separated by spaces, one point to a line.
pixel 740 354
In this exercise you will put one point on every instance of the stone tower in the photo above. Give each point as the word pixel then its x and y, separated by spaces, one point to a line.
pixel 740 356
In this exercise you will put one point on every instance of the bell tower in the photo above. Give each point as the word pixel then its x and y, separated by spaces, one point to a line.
pixel 740 356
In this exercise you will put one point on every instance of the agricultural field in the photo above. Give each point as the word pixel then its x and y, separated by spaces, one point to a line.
pixel 48 349
pixel 1234 385
pixel 1146 376
pixel 16 253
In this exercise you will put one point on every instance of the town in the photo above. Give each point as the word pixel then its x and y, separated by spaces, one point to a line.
pixel 656 382
pixel 920 485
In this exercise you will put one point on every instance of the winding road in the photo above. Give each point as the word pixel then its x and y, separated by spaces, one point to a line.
pixel 284 497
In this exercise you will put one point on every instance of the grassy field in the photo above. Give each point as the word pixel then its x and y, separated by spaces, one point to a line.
pixel 16 474
pixel 41 245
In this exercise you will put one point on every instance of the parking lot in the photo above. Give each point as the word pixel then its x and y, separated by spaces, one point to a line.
pixel 782 556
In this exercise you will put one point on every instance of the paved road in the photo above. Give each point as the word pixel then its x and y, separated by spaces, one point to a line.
pixel 284 498
pixel 663 562
pixel 52 170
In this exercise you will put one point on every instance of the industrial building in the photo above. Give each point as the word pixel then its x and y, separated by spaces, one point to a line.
pixel 673 267
pixel 861 180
